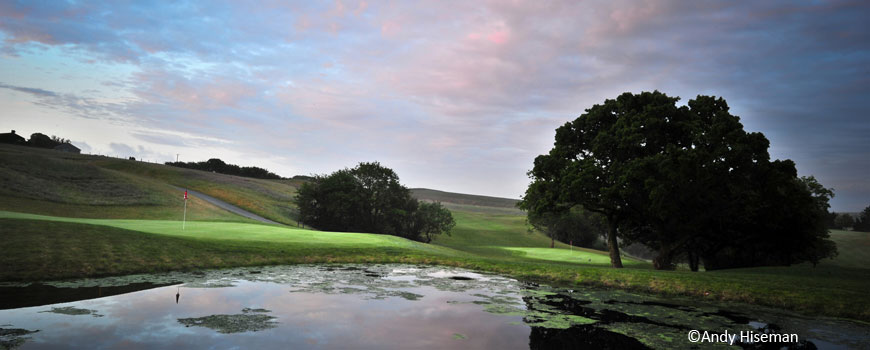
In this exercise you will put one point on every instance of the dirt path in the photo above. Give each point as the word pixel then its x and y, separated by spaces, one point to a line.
pixel 227 206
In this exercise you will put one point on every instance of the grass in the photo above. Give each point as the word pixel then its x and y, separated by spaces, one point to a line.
pixel 580 256
pixel 230 231
pixel 853 248
pixel 464 199
pixel 46 250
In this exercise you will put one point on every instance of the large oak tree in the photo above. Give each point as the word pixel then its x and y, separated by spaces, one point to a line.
pixel 687 181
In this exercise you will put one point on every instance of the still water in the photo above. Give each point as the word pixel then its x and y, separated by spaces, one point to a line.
pixel 374 307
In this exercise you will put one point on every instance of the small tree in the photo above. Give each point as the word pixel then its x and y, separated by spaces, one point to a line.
pixel 433 219
pixel 369 198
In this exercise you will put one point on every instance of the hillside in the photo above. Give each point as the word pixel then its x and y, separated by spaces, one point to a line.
pixel 463 199
pixel 55 183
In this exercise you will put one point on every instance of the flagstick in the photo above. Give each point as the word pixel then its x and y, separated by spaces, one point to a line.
pixel 184 218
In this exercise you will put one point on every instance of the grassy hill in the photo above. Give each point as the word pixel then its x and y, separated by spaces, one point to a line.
pixel 55 183
pixel 465 199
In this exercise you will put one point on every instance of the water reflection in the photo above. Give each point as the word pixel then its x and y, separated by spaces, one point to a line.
pixel 383 307
pixel 36 294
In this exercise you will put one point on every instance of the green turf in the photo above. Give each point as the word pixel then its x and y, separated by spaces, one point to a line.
pixel 581 256
pixel 229 231
pixel 49 250
pixel 853 248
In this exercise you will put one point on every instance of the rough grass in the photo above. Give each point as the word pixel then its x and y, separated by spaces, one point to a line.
pixel 271 199
pixel 56 183
pixel 464 199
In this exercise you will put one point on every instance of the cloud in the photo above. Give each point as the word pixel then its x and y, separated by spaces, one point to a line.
pixel 32 91
pixel 467 85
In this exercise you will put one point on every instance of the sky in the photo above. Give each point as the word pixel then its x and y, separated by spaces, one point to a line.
pixel 453 95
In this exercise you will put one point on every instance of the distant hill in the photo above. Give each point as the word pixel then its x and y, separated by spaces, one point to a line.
pixel 464 199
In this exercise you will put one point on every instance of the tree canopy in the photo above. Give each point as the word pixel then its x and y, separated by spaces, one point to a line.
pixel 686 181
pixel 369 198
pixel 43 141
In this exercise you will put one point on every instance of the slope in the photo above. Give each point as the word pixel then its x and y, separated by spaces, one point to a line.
pixel 55 183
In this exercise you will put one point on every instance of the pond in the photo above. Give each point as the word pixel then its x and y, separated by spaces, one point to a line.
pixel 377 307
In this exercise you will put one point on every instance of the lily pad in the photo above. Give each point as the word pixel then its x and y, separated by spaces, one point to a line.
pixel 72 311
pixel 250 320
pixel 12 338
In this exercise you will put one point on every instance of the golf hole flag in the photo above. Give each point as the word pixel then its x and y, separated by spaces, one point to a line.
pixel 184 216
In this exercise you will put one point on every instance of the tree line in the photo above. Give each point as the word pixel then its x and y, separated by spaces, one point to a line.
pixel 219 166
pixel 845 221
pixel 686 181
pixel 369 198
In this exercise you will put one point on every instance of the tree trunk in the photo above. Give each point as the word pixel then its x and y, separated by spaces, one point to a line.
pixel 552 242
pixel 665 258
pixel 693 261
pixel 613 245
pixel 664 261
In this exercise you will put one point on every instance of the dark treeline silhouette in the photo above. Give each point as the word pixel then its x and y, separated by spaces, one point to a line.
pixel 369 198
pixel 219 166
pixel 846 221
pixel 862 222
pixel 39 140
pixel 686 181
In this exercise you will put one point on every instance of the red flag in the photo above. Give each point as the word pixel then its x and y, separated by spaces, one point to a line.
pixel 185 195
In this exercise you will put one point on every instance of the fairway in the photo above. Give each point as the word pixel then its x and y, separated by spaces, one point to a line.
pixel 853 248
pixel 243 232
pixel 577 255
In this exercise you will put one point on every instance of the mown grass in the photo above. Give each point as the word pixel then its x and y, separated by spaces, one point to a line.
pixel 495 234
pixel 853 248
pixel 45 250
pixel 40 247
pixel 580 256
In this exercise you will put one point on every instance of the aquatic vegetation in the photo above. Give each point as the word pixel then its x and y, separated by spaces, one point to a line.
pixel 250 320
pixel 73 311
pixel 12 338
